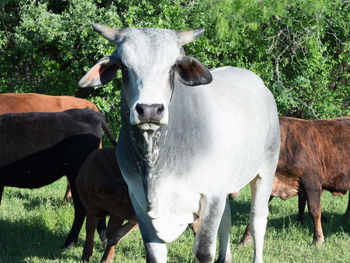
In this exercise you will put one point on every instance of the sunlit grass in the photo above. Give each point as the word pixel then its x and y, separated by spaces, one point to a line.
pixel 35 223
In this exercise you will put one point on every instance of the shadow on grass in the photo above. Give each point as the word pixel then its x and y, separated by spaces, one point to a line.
pixel 239 211
pixel 34 202
pixel 22 239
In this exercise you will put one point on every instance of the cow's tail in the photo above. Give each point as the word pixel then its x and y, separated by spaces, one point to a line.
pixel 108 132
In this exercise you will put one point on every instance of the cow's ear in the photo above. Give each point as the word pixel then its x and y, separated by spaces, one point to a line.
pixel 192 73
pixel 101 73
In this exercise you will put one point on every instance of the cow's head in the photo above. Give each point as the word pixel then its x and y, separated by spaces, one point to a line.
pixel 149 59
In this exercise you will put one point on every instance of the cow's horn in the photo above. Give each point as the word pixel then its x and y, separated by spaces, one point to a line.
pixel 107 32
pixel 186 37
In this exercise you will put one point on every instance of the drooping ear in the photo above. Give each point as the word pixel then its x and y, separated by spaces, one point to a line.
pixel 101 73
pixel 192 73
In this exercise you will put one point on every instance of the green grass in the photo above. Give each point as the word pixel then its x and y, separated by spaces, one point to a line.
pixel 35 223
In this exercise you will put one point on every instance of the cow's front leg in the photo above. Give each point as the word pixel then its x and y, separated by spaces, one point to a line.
pixel 210 215
pixel 156 251
pixel 301 206
pixel 347 213
pixel 79 216
pixel 224 236
pixel 313 195
pixel 91 223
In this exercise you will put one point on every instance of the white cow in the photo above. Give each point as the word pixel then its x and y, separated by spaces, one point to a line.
pixel 181 149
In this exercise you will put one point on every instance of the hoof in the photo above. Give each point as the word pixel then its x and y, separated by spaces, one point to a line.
pixel 68 245
pixel 301 220
pixel 246 240
pixel 345 218
pixel 318 241
pixel 103 237
pixel 84 259
pixel 204 256
pixel 223 261
pixel 67 200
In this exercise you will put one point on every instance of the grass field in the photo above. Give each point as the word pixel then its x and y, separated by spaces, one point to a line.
pixel 35 223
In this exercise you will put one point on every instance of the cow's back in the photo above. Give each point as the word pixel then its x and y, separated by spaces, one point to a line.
pixel 26 133
pixel 33 102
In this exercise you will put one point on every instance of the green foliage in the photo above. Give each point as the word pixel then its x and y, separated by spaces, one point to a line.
pixel 299 48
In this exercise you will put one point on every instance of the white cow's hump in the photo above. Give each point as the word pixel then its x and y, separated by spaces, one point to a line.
pixel 237 74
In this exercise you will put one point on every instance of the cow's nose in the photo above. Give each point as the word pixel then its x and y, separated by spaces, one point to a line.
pixel 150 112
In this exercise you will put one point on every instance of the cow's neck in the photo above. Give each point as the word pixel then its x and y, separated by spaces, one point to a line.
pixel 147 144
pixel 173 146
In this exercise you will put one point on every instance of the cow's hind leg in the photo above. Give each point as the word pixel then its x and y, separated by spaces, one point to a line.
pixel 301 206
pixel 210 217
pixel 68 195
pixel 247 236
pixel 261 188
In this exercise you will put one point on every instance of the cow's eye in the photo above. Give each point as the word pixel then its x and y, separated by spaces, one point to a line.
pixel 171 80
pixel 124 68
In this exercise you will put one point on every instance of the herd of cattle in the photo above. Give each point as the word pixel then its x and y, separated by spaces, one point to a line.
pixel 180 151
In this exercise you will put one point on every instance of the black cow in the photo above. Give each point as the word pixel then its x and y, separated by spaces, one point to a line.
pixel 39 148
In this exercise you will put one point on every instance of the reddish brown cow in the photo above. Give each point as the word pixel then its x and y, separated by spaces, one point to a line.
pixel 103 192
pixel 33 102
pixel 314 156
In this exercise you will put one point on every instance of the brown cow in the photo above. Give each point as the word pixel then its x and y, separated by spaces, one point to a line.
pixel 33 102
pixel 314 156
pixel 103 192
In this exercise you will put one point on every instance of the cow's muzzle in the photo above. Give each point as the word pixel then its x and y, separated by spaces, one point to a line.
pixel 150 113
